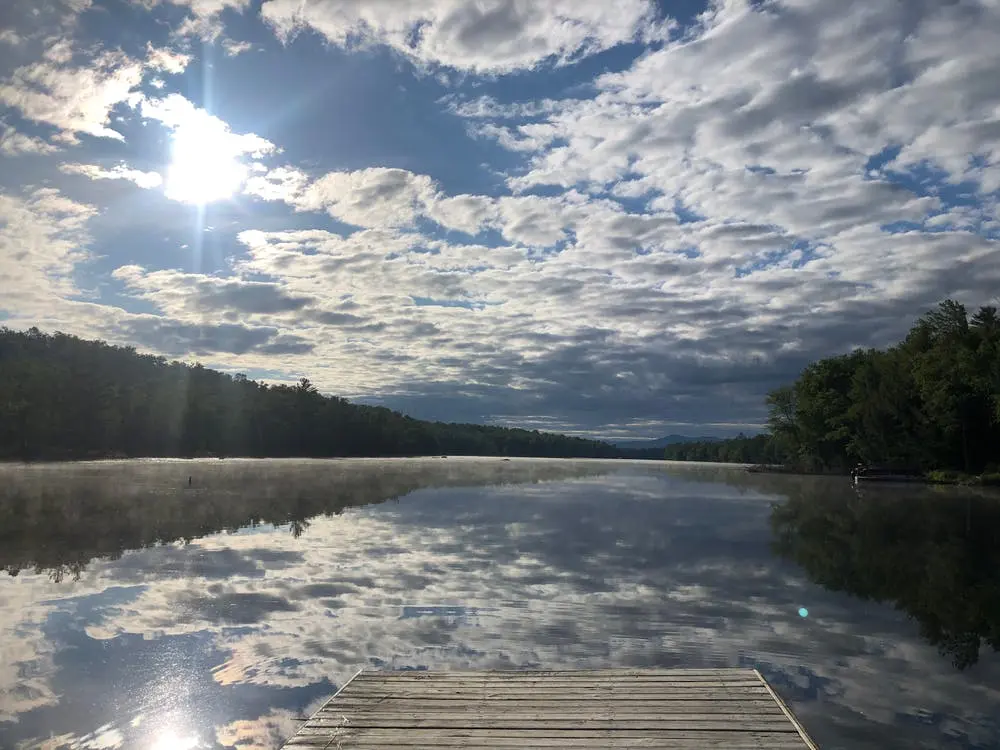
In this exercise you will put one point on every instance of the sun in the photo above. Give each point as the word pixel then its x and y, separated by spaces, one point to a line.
pixel 204 166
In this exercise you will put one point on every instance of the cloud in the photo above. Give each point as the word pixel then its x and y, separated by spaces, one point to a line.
pixel 499 36
pixel 23 22
pixel 652 238
pixel 43 237
pixel 44 244
pixel 74 100
pixel 142 179
pixel 13 143
pixel 234 48
pixel 622 314
pixel 285 184
pixel 747 141
pixel 205 8
pixel 705 107
pixel 203 19
pixel 181 116
pixel 177 294
pixel 178 339
pixel 374 197
pixel 465 213
pixel 486 107
pixel 166 60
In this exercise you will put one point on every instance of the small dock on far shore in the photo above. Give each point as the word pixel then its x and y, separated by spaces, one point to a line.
pixel 731 709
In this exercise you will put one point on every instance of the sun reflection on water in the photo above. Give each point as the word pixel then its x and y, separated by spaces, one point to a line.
pixel 172 740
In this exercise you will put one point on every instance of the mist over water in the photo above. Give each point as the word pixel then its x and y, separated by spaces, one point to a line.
pixel 206 604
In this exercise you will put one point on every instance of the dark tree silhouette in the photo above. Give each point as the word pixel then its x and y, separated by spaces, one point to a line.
pixel 930 402
pixel 65 398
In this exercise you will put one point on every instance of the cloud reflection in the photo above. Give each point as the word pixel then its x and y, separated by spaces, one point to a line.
pixel 642 567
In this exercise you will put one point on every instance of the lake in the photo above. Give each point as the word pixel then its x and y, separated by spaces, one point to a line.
pixel 172 605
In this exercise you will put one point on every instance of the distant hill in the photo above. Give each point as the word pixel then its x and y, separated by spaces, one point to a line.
pixel 663 442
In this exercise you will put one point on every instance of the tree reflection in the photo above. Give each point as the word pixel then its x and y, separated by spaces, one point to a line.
pixel 57 518
pixel 933 554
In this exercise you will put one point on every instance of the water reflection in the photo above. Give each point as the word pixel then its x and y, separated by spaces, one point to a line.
pixel 934 555
pixel 59 517
pixel 231 638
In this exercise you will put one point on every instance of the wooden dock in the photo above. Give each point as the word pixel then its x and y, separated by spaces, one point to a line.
pixel 733 709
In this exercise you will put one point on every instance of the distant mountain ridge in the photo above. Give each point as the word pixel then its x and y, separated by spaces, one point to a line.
pixel 663 442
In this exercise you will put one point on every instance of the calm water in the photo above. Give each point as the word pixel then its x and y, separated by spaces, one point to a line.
pixel 142 612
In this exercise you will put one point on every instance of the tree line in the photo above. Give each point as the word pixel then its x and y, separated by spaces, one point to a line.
pixel 756 449
pixel 931 402
pixel 62 397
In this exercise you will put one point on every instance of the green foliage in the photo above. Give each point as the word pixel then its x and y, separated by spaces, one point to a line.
pixel 931 402
pixel 65 398
pixel 933 555
pixel 759 449
pixel 986 479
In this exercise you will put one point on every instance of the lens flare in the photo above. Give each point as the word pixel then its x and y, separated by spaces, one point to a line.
pixel 204 166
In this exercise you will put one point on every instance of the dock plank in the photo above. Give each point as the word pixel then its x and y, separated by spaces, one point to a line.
pixel 486 740
pixel 669 709
pixel 357 705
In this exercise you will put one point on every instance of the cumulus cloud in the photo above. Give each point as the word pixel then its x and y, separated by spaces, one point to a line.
pixel 285 184
pixel 23 22
pixel 73 99
pixel 487 107
pixel 178 339
pixel 749 139
pixel 166 60
pixel 465 213
pixel 203 19
pixel 43 236
pixel 777 182
pixel 177 293
pixel 13 143
pixel 374 197
pixel 205 8
pixel 233 47
pixel 498 36
pixel 119 172
pixel 691 117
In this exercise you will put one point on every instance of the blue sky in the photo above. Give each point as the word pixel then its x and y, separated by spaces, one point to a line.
pixel 613 219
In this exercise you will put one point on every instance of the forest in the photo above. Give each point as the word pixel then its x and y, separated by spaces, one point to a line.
pixel 931 402
pixel 62 397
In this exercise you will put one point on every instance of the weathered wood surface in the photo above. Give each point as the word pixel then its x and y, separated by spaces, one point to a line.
pixel 613 708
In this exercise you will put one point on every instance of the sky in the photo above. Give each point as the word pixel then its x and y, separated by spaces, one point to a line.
pixel 613 219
